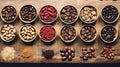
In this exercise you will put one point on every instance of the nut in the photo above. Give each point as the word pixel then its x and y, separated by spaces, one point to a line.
pixel 88 14
pixel 28 33
pixel 8 32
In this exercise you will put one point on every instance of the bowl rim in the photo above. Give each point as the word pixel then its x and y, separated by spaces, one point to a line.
pixel 2 35
pixel 51 21
pixel 91 39
pixel 107 21
pixel 67 22
pixel 92 21
pixel 52 38
pixel 68 40
pixel 116 36
pixel 32 19
pixel 11 20
pixel 23 38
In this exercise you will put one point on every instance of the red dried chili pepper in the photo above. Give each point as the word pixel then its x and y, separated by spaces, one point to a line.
pixel 48 13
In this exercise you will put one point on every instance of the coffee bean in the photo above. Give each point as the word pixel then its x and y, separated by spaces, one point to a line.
pixel 108 33
pixel 88 33
pixel 48 54
pixel 107 52
pixel 109 13
pixel 87 53
pixel 67 54
pixel 68 33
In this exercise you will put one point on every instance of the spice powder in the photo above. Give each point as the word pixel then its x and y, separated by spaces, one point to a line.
pixel 27 54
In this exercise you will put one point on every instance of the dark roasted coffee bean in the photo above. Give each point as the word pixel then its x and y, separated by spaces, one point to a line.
pixel 28 13
pixel 109 13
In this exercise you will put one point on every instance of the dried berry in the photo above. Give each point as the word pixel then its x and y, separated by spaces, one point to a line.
pixel 9 14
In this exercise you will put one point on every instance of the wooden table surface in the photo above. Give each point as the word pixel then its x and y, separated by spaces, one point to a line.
pixel 58 44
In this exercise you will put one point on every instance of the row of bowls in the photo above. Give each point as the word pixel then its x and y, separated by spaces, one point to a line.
pixel 60 15
pixel 68 41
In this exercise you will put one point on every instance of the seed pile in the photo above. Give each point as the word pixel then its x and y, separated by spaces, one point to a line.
pixel 110 13
pixel 8 32
pixel 87 53
pixel 108 52
pixel 68 14
pixel 47 33
pixel 9 13
pixel 28 13
pixel 88 14
pixel 88 33
pixel 67 53
pixel 28 33
pixel 48 54
pixel 48 13
pixel 108 33
pixel 8 53
pixel 68 33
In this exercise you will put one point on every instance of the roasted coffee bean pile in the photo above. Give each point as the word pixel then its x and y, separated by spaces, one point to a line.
pixel 68 14
pixel 28 13
pixel 48 13
pixel 88 14
pixel 48 54
pixel 109 13
pixel 28 33
pixel 88 33
pixel 8 32
pixel 87 53
pixel 9 13
pixel 108 52
pixel 68 33
pixel 67 53
pixel 108 33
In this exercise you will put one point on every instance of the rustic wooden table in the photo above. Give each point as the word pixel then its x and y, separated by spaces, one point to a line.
pixel 58 44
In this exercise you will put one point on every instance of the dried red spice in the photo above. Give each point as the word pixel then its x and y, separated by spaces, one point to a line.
pixel 48 13
pixel 47 33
